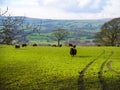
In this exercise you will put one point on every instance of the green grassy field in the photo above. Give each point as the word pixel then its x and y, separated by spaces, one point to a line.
pixel 52 68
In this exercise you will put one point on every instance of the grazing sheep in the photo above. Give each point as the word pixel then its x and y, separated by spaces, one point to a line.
pixel 74 46
pixel 24 45
pixel 73 51
pixel 70 44
pixel 17 46
pixel 60 45
pixel 54 45
pixel 34 45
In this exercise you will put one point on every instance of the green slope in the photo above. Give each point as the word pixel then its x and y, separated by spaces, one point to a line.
pixel 52 68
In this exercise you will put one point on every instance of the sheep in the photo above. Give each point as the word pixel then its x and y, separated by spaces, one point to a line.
pixel 70 44
pixel 73 51
pixel 24 45
pixel 60 45
pixel 74 46
pixel 17 46
pixel 54 45
pixel 34 45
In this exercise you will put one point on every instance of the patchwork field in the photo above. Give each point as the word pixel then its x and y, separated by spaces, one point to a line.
pixel 52 68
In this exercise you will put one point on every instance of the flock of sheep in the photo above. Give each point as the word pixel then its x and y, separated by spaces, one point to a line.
pixel 23 45
pixel 73 50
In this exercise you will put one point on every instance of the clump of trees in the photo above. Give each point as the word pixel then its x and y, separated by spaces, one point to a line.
pixel 110 33
pixel 60 34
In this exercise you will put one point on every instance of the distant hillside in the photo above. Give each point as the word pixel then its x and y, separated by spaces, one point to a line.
pixel 82 31
pixel 49 24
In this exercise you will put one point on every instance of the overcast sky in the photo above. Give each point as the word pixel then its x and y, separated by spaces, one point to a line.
pixel 63 9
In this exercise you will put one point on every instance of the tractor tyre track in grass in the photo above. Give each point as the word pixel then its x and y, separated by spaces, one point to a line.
pixel 81 74
pixel 100 73
pixel 111 69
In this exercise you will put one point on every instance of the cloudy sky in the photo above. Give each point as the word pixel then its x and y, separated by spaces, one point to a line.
pixel 63 9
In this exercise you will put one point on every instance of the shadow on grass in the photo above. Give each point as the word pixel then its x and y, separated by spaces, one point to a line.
pixel 83 56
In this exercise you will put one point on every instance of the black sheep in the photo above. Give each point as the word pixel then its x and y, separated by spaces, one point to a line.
pixel 24 45
pixel 17 46
pixel 73 51
pixel 54 45
pixel 60 45
pixel 34 45
pixel 70 44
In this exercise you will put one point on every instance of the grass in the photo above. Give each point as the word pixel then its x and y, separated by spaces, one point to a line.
pixel 52 68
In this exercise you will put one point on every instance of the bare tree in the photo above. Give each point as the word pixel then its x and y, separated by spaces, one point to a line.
pixel 110 33
pixel 60 34
pixel 11 27
pixel 3 12
pixel 16 28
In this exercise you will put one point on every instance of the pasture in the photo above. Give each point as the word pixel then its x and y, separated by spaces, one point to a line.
pixel 52 68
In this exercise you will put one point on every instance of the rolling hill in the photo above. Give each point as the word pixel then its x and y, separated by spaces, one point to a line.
pixel 49 24
pixel 81 30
